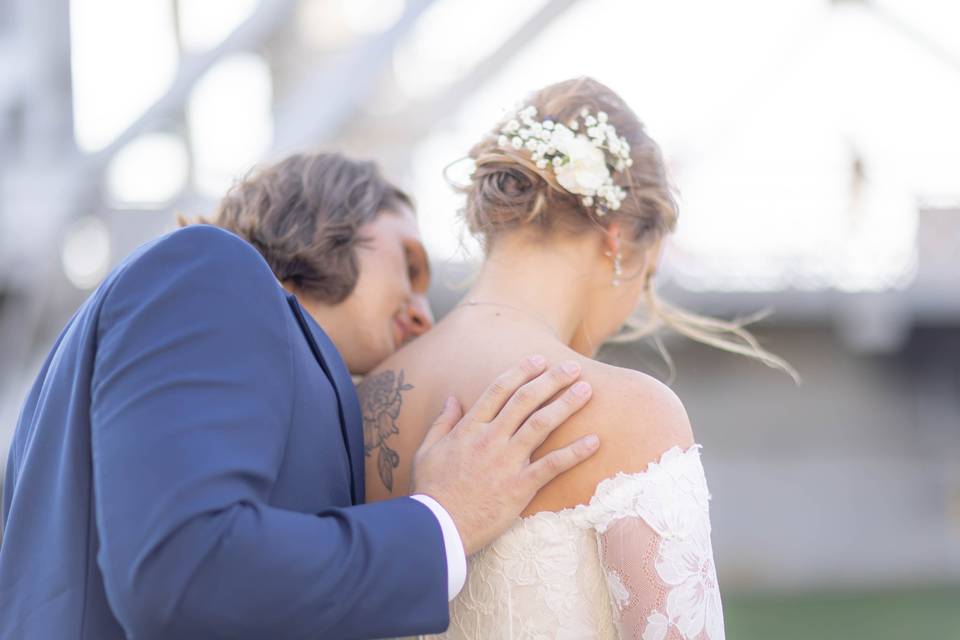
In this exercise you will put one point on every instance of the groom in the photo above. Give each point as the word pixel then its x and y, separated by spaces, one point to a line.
pixel 189 461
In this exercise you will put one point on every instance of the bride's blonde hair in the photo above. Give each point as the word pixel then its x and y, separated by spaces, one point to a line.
pixel 507 191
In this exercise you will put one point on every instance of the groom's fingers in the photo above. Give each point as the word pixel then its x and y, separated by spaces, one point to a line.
pixel 556 462
pixel 543 421
pixel 448 418
pixel 534 394
pixel 506 384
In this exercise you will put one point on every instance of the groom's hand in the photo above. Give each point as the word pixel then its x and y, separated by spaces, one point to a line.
pixel 478 465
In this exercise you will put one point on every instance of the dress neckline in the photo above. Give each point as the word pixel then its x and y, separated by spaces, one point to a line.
pixel 674 453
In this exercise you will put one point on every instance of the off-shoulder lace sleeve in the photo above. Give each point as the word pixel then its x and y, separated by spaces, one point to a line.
pixel 653 531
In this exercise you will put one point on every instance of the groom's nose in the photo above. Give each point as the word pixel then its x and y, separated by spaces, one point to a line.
pixel 419 318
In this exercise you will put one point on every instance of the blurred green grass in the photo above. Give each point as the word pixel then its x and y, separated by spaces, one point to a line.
pixel 881 615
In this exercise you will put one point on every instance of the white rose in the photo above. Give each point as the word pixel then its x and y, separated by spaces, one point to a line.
pixel 586 168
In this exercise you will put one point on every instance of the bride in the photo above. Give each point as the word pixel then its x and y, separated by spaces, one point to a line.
pixel 570 199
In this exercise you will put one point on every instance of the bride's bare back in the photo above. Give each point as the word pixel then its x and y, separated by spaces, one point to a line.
pixel 636 417
pixel 570 199
pixel 635 560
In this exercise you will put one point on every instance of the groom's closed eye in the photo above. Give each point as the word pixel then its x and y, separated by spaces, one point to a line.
pixel 418 266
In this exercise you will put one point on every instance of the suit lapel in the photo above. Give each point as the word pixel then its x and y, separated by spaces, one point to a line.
pixel 348 407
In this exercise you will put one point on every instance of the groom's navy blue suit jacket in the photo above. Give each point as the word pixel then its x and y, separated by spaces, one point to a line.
pixel 189 464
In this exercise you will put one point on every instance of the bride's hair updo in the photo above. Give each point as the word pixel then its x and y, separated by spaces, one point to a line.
pixel 509 191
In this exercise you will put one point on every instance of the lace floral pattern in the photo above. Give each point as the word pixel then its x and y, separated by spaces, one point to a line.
pixel 636 562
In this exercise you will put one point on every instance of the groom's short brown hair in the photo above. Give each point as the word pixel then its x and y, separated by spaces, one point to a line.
pixel 303 215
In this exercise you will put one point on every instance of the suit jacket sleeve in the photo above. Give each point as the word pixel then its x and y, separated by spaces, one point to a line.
pixel 192 402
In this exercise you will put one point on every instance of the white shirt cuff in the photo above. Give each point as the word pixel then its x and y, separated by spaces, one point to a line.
pixel 456 556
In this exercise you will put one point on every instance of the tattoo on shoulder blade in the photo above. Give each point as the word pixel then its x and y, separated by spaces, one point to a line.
pixel 381 398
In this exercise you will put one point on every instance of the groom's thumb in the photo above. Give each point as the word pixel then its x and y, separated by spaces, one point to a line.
pixel 448 418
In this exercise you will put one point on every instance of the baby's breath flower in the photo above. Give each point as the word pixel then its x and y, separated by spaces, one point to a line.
pixel 582 163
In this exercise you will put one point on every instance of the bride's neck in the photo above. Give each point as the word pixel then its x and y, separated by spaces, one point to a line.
pixel 546 282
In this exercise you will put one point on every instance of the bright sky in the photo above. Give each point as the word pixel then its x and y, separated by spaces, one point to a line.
pixel 761 108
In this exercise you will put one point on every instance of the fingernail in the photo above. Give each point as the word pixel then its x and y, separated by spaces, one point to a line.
pixel 448 405
pixel 538 361
pixel 592 441
pixel 581 388
pixel 570 367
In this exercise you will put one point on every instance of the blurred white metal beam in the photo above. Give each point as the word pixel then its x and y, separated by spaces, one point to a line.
pixel 422 117
pixel 327 99
pixel 11 73
pixel 903 26
pixel 269 16
pixel 418 118
pixel 43 30
pixel 44 136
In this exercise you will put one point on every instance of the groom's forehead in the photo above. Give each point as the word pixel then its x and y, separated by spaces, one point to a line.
pixel 400 221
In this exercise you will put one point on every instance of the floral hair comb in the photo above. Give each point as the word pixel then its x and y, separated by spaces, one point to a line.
pixel 581 156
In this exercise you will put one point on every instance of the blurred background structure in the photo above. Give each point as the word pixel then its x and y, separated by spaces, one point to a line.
pixel 815 145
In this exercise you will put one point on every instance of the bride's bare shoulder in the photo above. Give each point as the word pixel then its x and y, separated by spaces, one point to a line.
pixel 633 406
pixel 637 418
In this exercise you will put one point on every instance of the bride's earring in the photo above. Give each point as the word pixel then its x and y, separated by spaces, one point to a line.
pixel 617 267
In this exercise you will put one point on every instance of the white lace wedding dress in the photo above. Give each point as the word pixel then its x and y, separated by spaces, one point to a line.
pixel 635 563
